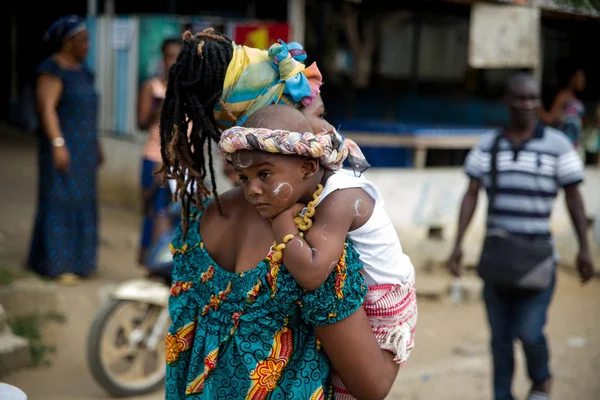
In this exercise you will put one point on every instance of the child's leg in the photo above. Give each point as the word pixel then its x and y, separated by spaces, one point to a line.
pixel 392 310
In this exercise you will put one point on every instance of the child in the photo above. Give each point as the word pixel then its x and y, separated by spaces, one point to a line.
pixel 310 233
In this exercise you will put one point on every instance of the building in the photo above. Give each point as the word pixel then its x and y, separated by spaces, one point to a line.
pixel 399 64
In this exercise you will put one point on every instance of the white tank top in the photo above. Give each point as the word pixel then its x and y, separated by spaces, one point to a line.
pixel 376 241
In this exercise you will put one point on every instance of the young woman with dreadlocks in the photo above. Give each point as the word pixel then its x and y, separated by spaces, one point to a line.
pixel 243 327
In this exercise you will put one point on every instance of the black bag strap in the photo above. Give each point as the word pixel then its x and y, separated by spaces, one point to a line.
pixel 494 170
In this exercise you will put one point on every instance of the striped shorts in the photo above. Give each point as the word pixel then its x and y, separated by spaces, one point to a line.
pixel 392 311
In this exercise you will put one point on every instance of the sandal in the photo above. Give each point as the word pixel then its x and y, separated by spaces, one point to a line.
pixel 538 396
pixel 68 279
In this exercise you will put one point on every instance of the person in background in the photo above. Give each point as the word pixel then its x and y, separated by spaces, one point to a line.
pixel 567 110
pixel 155 197
pixel 591 138
pixel 65 236
pixel 522 169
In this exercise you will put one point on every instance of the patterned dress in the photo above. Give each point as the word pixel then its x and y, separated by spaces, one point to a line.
pixel 65 235
pixel 571 124
pixel 249 335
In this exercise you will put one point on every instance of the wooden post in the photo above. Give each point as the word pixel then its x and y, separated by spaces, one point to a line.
pixel 92 8
pixel 420 157
pixel 296 18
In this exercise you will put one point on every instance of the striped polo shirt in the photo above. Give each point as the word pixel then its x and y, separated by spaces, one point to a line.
pixel 528 179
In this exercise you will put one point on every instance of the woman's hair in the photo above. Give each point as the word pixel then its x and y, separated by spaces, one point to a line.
pixel 195 85
pixel 63 29
pixel 201 79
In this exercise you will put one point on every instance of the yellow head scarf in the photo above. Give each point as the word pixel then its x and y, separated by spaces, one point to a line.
pixel 256 78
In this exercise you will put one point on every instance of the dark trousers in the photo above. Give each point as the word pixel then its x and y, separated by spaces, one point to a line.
pixel 516 314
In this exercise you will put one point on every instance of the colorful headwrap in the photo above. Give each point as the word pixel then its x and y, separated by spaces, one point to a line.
pixel 64 28
pixel 256 78
pixel 330 148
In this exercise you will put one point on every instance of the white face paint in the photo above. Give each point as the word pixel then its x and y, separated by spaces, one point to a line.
pixel 298 241
pixel 242 163
pixel 361 208
pixel 283 191
pixel 315 252
pixel 323 237
pixel 332 266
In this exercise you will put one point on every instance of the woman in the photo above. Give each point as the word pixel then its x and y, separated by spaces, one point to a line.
pixel 567 110
pixel 65 236
pixel 156 197
pixel 241 329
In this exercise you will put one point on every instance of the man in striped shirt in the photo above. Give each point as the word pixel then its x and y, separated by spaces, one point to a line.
pixel 533 163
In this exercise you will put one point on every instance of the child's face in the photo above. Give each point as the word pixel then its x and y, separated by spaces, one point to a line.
pixel 272 182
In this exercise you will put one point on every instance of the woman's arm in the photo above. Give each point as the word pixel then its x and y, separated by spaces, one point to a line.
pixel 310 260
pixel 48 91
pixel 556 111
pixel 146 116
pixel 367 371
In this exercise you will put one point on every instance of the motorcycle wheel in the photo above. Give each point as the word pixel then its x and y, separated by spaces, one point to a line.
pixel 118 353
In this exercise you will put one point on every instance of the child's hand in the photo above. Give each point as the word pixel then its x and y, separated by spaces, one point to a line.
pixel 290 213
pixel 296 209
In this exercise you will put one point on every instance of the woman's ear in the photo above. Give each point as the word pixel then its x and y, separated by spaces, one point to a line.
pixel 310 166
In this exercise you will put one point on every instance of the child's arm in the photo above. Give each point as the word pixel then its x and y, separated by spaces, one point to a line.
pixel 311 260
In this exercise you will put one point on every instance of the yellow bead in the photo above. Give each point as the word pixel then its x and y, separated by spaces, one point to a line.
pixel 305 223
pixel 288 238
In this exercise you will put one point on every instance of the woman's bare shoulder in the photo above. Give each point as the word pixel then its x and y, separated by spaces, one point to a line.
pixel 231 205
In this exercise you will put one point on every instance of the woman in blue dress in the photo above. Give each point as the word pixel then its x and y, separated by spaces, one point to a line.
pixel 64 242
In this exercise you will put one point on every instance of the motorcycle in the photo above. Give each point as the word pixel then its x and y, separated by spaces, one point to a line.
pixel 125 347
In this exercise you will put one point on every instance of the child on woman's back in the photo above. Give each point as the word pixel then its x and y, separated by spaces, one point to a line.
pixel 275 153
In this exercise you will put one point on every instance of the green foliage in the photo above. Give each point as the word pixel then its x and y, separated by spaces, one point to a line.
pixel 30 328
pixel 10 273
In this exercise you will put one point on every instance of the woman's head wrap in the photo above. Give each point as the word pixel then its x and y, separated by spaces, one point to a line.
pixel 257 78
pixel 64 28
pixel 330 148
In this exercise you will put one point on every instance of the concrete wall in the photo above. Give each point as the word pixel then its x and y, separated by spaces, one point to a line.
pixel 415 200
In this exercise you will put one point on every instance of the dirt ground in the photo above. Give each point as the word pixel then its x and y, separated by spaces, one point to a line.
pixel 451 359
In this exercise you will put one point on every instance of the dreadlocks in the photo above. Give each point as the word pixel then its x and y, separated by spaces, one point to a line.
pixel 195 85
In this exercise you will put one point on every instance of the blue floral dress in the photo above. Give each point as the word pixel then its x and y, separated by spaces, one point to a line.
pixel 249 335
